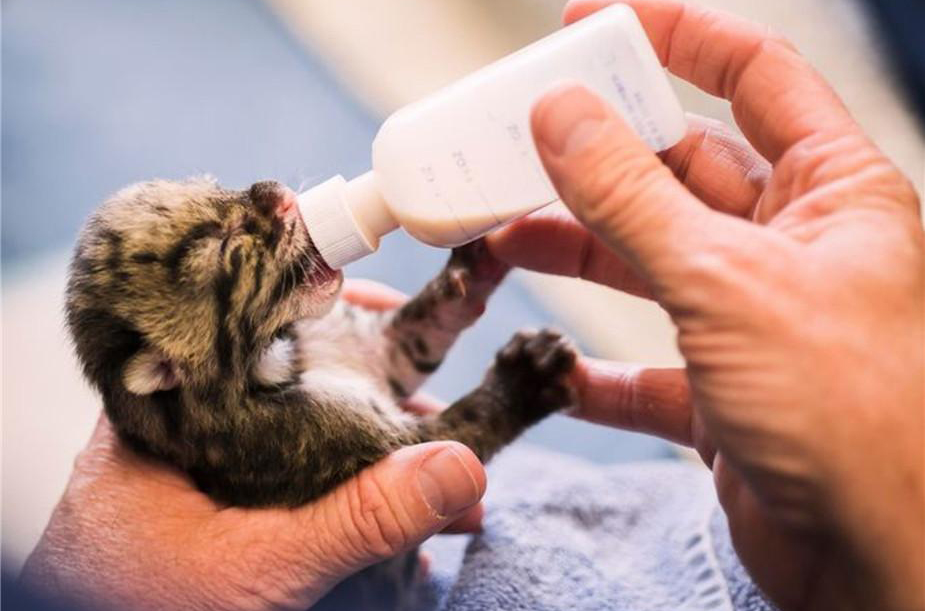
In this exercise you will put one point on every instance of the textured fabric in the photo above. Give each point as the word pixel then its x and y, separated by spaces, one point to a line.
pixel 561 533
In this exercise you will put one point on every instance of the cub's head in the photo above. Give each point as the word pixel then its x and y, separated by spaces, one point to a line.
pixel 183 285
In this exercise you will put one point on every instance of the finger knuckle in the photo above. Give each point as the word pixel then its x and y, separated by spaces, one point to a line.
pixel 765 44
pixel 824 157
pixel 376 526
pixel 908 194
pixel 615 181
pixel 726 276
pixel 888 183
pixel 706 273
pixel 775 40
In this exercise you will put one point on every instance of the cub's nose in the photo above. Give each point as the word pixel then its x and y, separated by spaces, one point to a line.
pixel 271 198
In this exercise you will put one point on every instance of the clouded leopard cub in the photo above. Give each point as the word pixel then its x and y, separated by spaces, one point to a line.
pixel 213 330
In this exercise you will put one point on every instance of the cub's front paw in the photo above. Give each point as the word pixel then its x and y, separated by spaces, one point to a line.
pixel 473 272
pixel 477 262
pixel 534 368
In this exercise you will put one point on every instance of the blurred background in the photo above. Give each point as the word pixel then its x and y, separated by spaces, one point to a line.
pixel 100 93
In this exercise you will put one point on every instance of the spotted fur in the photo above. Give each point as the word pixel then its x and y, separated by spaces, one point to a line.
pixel 213 330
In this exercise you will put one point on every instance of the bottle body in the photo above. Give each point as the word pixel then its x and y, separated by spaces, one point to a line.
pixel 462 161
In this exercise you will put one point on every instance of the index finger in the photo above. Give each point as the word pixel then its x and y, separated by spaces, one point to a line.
pixel 777 98
pixel 552 241
pixel 648 400
pixel 371 294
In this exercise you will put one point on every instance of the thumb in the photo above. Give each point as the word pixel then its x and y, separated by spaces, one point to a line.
pixel 394 505
pixel 615 185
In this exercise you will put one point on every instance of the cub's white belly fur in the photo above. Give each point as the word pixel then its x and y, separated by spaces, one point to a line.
pixel 341 357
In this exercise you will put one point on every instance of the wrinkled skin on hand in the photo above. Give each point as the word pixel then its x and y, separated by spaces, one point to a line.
pixel 792 263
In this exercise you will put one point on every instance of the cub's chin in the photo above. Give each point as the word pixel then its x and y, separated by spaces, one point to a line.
pixel 314 301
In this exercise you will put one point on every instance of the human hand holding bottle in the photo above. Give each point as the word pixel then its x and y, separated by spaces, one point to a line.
pixel 793 266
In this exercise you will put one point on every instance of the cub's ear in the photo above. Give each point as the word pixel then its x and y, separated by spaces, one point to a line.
pixel 149 371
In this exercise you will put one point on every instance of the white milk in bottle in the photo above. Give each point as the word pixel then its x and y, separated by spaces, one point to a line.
pixel 461 162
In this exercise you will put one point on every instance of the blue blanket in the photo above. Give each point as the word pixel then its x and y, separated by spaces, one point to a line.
pixel 561 533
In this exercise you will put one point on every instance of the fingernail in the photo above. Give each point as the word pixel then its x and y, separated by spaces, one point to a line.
pixel 447 484
pixel 568 119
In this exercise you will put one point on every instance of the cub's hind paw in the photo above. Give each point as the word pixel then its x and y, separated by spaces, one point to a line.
pixel 537 366
pixel 545 353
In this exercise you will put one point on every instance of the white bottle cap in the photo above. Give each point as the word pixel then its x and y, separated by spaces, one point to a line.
pixel 345 219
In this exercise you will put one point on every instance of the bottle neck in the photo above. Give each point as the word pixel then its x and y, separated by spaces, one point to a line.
pixel 346 219
pixel 363 197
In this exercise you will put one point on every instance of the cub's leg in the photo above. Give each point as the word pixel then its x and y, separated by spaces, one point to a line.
pixel 528 381
pixel 419 333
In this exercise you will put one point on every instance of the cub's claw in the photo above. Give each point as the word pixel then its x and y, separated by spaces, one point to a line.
pixel 456 282
pixel 481 266
pixel 470 276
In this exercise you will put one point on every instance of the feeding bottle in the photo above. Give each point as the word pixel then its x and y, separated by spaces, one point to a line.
pixel 461 162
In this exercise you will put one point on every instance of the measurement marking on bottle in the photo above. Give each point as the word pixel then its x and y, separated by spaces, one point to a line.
pixel 430 177
pixel 488 205
pixel 463 164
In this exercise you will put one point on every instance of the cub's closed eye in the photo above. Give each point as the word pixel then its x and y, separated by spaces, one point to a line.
pixel 251 226
pixel 224 245
pixel 175 257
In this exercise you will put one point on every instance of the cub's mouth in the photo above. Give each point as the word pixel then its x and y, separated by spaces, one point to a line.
pixel 299 257
pixel 307 270
pixel 321 283
pixel 304 280
pixel 321 277
pixel 320 286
